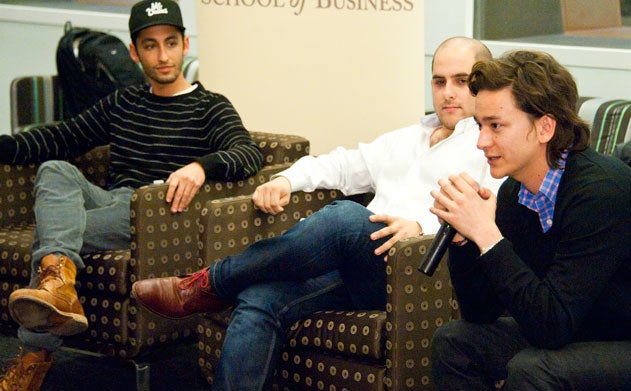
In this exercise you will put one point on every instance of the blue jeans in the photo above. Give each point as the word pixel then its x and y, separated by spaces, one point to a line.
pixel 324 262
pixel 468 356
pixel 73 217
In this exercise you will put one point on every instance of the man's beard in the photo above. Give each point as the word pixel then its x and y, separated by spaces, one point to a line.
pixel 163 79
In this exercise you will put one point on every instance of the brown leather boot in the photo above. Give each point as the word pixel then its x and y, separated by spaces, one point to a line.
pixel 54 305
pixel 175 297
pixel 26 372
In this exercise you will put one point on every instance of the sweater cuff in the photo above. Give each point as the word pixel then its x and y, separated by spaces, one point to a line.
pixel 498 246
pixel 214 169
pixel 463 258
pixel 489 248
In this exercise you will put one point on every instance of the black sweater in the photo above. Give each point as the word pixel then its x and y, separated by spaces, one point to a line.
pixel 569 284
pixel 149 137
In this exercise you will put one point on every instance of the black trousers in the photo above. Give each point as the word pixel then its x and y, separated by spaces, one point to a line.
pixel 468 356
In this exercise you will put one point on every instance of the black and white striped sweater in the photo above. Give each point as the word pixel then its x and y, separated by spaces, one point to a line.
pixel 149 136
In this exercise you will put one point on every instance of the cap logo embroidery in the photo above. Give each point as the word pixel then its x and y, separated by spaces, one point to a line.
pixel 156 8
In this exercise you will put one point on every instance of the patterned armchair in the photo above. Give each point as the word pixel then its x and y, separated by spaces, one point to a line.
pixel 162 243
pixel 353 350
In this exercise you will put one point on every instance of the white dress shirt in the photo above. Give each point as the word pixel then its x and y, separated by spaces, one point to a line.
pixel 399 167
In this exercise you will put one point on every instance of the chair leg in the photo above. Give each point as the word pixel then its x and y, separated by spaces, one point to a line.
pixel 143 375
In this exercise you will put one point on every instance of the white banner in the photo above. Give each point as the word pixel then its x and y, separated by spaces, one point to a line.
pixel 337 72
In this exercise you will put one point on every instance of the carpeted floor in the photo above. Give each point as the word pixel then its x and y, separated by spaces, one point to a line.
pixel 176 369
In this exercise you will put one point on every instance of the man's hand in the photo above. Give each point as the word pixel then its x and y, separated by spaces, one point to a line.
pixel 458 238
pixel 270 197
pixel 184 185
pixel 468 208
pixel 398 227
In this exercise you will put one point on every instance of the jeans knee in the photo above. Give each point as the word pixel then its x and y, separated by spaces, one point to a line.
pixel 527 367
pixel 444 338
pixel 345 212
pixel 52 167
pixel 55 165
pixel 345 207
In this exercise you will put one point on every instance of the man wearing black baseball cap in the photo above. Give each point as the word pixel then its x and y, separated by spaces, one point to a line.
pixel 167 128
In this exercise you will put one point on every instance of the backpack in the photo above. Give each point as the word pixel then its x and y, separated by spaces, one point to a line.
pixel 91 65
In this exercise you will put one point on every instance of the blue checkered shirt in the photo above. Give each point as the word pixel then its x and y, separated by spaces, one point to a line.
pixel 543 202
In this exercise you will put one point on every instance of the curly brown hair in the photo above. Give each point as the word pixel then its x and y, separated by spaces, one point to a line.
pixel 540 86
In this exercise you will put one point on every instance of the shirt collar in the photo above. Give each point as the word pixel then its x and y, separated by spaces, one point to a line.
pixel 431 122
pixel 544 201
pixel 185 91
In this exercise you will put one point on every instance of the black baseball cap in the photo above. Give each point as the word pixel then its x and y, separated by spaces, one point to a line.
pixel 149 13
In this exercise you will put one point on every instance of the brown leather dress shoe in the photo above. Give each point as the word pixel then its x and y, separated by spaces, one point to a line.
pixel 176 298
pixel 54 305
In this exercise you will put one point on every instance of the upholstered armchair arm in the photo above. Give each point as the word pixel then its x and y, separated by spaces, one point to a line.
pixel 16 194
pixel 416 306
pixel 229 225
pixel 16 184
pixel 280 148
pixel 166 244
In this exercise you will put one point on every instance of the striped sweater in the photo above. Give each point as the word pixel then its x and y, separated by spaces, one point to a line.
pixel 149 137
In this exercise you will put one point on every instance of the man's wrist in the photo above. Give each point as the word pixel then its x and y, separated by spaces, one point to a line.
pixel 460 243
pixel 486 249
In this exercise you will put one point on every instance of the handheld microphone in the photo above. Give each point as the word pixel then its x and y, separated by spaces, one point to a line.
pixel 437 249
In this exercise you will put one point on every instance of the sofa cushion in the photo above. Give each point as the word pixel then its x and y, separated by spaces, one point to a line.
pixel 305 370
pixel 356 334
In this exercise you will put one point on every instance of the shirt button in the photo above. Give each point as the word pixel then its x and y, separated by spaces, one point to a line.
pixel 549 221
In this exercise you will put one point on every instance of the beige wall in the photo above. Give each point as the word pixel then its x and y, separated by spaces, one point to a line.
pixel 337 72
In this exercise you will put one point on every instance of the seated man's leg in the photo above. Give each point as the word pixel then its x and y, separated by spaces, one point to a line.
pixel 590 366
pixel 76 216
pixel 469 356
pixel 336 238
pixel 67 207
pixel 256 332
pixel 63 197
pixel 107 224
